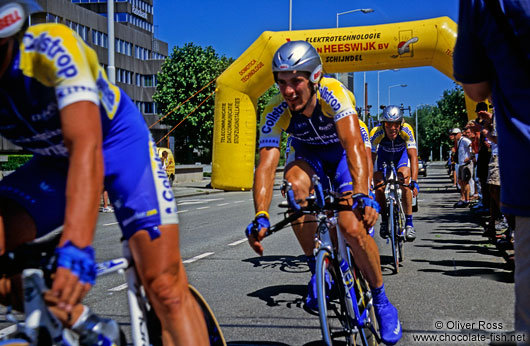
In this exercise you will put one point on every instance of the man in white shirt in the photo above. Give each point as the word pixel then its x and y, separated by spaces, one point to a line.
pixel 464 153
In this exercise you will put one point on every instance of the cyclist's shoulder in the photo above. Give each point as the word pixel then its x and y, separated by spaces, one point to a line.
pixel 335 99
pixel 377 133
pixel 275 109
pixel 53 53
pixel 407 132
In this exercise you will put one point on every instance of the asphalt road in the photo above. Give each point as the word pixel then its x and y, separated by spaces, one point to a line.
pixel 452 286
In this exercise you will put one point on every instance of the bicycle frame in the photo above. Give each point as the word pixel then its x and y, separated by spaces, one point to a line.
pixel 136 297
pixel 340 260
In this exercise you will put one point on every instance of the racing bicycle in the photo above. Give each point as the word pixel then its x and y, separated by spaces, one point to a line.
pixel 346 310
pixel 39 326
pixel 395 211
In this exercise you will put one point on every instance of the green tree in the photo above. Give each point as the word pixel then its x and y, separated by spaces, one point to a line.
pixel 435 122
pixel 187 70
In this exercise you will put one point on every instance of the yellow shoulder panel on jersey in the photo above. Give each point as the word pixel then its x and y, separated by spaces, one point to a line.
pixel 364 133
pixel 334 99
pixel 274 119
pixel 376 136
pixel 57 57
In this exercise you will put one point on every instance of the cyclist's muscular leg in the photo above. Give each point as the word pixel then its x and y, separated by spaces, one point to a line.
pixel 299 174
pixel 404 176
pixel 363 246
pixel 162 272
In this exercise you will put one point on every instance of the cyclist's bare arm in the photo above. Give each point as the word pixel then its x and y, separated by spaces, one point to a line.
pixel 413 157
pixel 263 189
pixel 264 178
pixel 81 127
pixel 349 134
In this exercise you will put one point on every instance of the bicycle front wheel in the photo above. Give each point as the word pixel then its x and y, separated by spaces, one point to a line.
pixel 334 321
pixel 393 223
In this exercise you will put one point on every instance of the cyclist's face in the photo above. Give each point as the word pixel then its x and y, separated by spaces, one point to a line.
pixel 392 130
pixel 295 89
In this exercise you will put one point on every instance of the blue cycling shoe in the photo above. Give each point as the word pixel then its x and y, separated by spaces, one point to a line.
pixel 389 325
pixel 387 317
pixel 311 301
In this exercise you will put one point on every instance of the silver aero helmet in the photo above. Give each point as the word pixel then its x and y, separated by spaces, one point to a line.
pixel 392 114
pixel 13 15
pixel 298 56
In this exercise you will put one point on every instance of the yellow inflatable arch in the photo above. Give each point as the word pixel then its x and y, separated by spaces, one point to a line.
pixel 408 44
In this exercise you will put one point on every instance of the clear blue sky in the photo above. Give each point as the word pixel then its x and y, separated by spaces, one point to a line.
pixel 231 26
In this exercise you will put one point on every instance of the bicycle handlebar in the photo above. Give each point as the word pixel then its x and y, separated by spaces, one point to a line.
pixel 394 181
pixel 317 202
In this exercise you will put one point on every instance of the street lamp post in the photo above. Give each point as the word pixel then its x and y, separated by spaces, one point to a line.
pixel 363 10
pixel 393 86
pixel 290 14
pixel 378 72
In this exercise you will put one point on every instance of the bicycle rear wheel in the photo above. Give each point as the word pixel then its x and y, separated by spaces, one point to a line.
pixel 334 320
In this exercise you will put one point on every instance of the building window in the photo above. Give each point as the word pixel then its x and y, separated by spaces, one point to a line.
pixel 148 81
pixel 148 108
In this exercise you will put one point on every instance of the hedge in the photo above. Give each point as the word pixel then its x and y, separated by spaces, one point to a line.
pixel 14 161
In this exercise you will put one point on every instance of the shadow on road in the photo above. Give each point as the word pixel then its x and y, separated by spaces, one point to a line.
pixel 288 264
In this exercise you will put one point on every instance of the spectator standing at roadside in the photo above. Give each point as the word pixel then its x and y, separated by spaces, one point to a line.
pixel 492 59
pixel 452 160
pixel 464 160
pixel 473 189
pixel 483 158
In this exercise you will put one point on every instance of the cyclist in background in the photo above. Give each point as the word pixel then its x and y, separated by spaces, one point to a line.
pixel 57 102
pixel 393 140
pixel 321 120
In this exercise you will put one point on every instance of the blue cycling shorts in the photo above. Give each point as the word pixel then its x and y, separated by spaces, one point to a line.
pixel 328 162
pixel 400 159
pixel 135 180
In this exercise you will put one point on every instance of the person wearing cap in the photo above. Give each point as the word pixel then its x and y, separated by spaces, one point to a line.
pixel 326 140
pixel 86 135
pixel 464 169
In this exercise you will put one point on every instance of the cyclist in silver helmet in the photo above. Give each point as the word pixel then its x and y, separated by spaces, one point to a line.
pixel 325 139
pixel 56 102
pixel 393 140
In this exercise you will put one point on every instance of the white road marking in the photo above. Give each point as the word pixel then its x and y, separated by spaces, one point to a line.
pixel 118 288
pixel 182 211
pixel 238 242
pixel 9 330
pixel 203 208
pixel 110 224
pixel 221 204
pixel 235 202
pixel 193 259
pixel 198 201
